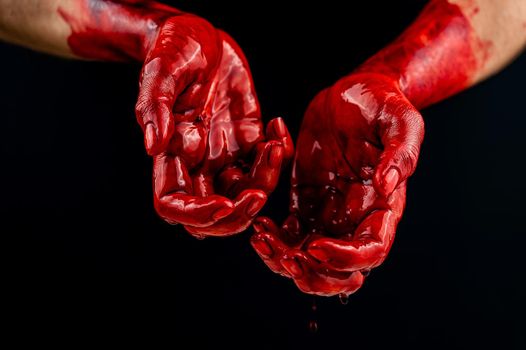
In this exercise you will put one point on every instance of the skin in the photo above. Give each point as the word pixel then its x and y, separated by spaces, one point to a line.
pixel 350 172
pixel 346 204
pixel 214 163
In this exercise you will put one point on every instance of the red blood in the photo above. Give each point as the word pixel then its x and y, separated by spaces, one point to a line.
pixel 114 30
pixel 213 164
pixel 434 58
pixel 359 142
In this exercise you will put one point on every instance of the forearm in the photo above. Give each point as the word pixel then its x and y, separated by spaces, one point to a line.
pixel 92 29
pixel 451 46
pixel 35 24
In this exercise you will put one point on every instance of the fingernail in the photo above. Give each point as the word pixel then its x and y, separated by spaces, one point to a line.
pixel 292 267
pixel 254 207
pixel 221 213
pixel 318 253
pixel 391 181
pixel 262 247
pixel 258 227
pixel 150 136
pixel 279 127
pixel 275 156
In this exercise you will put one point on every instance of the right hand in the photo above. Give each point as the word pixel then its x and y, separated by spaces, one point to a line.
pixel 213 165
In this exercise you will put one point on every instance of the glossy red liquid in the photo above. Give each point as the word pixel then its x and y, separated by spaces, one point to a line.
pixel 434 58
pixel 213 163
pixel 359 142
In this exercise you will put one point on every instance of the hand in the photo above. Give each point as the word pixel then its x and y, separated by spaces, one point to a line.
pixel 213 165
pixel 358 144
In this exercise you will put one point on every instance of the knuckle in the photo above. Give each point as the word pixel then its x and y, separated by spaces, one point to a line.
pixel 410 155
pixel 416 125
pixel 149 110
pixel 141 107
pixel 406 159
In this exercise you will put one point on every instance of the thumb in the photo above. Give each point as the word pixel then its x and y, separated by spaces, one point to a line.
pixel 402 132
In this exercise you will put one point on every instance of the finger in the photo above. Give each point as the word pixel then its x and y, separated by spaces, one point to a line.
pixel 268 245
pixel 277 130
pixel 291 232
pixel 264 174
pixel 401 135
pixel 367 249
pixel 228 180
pixel 186 209
pixel 264 224
pixel 158 90
pixel 246 206
pixel 315 278
pixel 166 73
pixel 172 183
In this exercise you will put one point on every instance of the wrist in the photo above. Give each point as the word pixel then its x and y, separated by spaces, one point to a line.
pixel 433 59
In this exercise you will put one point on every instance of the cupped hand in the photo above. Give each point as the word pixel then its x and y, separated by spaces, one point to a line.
pixel 358 144
pixel 213 164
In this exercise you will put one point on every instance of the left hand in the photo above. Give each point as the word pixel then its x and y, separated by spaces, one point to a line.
pixel 358 144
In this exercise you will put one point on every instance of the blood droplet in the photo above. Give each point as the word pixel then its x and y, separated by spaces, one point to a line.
pixel 313 326
pixel 313 323
pixel 344 298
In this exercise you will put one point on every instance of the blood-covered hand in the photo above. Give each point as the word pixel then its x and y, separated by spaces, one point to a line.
pixel 219 165
pixel 213 163
pixel 358 144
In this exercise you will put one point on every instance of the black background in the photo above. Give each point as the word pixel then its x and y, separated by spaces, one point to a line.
pixel 87 257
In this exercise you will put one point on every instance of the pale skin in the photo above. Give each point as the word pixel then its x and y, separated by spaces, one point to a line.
pixel 36 24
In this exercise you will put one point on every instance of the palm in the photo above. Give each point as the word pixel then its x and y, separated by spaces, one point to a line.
pixel 343 211
pixel 218 166
pixel 334 168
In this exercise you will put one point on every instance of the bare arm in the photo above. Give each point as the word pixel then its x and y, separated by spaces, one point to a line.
pixel 36 24
pixel 501 28
pixel 89 29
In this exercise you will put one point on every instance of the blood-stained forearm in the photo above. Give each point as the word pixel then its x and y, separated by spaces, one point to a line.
pixel 90 29
pixel 451 46
pixel 214 163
